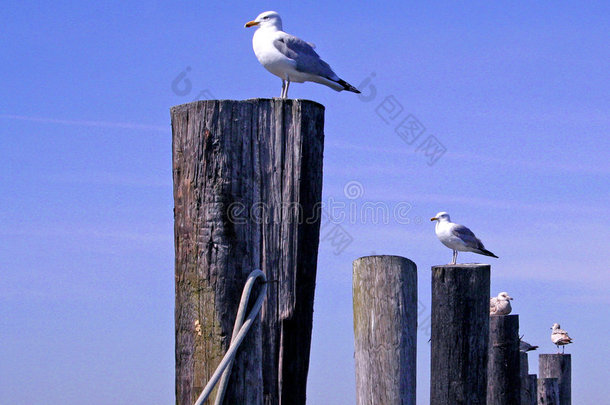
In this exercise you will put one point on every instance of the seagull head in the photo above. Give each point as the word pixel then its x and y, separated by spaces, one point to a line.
pixel 556 326
pixel 267 19
pixel 440 217
pixel 503 296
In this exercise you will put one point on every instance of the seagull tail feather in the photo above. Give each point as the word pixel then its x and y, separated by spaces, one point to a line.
pixel 486 253
pixel 347 86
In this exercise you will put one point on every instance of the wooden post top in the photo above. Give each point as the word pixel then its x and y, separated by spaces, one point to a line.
pixel 251 101
pixel 556 355
pixel 385 257
pixel 462 265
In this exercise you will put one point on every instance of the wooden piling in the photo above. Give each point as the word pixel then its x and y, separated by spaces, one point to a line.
pixel 247 188
pixel 532 389
pixel 460 334
pixel 385 330
pixel 503 367
pixel 524 367
pixel 548 391
pixel 558 366
pixel 528 381
pixel 523 374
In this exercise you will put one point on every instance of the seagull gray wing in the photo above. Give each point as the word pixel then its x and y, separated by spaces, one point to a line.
pixel 467 236
pixel 526 347
pixel 308 61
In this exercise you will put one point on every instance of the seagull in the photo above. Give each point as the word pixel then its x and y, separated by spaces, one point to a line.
pixel 457 237
pixel 289 57
pixel 500 305
pixel 560 337
pixel 525 347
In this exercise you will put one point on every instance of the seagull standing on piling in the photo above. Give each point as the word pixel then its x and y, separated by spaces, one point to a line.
pixel 500 305
pixel 560 337
pixel 289 57
pixel 457 237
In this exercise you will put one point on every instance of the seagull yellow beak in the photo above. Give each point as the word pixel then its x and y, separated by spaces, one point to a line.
pixel 433 219
pixel 251 24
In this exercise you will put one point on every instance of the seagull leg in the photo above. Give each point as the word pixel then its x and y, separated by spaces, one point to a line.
pixel 283 88
pixel 287 85
pixel 454 257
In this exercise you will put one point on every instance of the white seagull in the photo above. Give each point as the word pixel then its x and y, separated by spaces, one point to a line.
pixel 500 305
pixel 560 337
pixel 457 237
pixel 289 57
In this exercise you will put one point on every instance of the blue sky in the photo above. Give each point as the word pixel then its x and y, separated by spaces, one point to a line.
pixel 518 96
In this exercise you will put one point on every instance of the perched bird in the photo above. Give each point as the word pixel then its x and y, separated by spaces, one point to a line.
pixel 289 57
pixel 524 346
pixel 457 237
pixel 560 337
pixel 500 305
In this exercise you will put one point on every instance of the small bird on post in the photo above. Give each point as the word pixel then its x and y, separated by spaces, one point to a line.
pixel 524 346
pixel 457 237
pixel 289 57
pixel 560 337
pixel 500 305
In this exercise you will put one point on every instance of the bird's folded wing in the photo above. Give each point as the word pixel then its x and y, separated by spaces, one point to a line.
pixel 308 61
pixel 467 236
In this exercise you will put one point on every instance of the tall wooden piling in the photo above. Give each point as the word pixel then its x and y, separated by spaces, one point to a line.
pixel 558 366
pixel 528 381
pixel 548 391
pixel 385 330
pixel 503 367
pixel 523 373
pixel 460 334
pixel 247 187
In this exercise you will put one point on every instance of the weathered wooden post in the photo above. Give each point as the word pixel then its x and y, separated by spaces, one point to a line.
pixel 503 367
pixel 532 389
pixel 548 391
pixel 385 329
pixel 558 366
pixel 460 334
pixel 247 187
pixel 523 373
pixel 528 381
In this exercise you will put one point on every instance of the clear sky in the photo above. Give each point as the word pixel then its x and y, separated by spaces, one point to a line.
pixel 515 98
